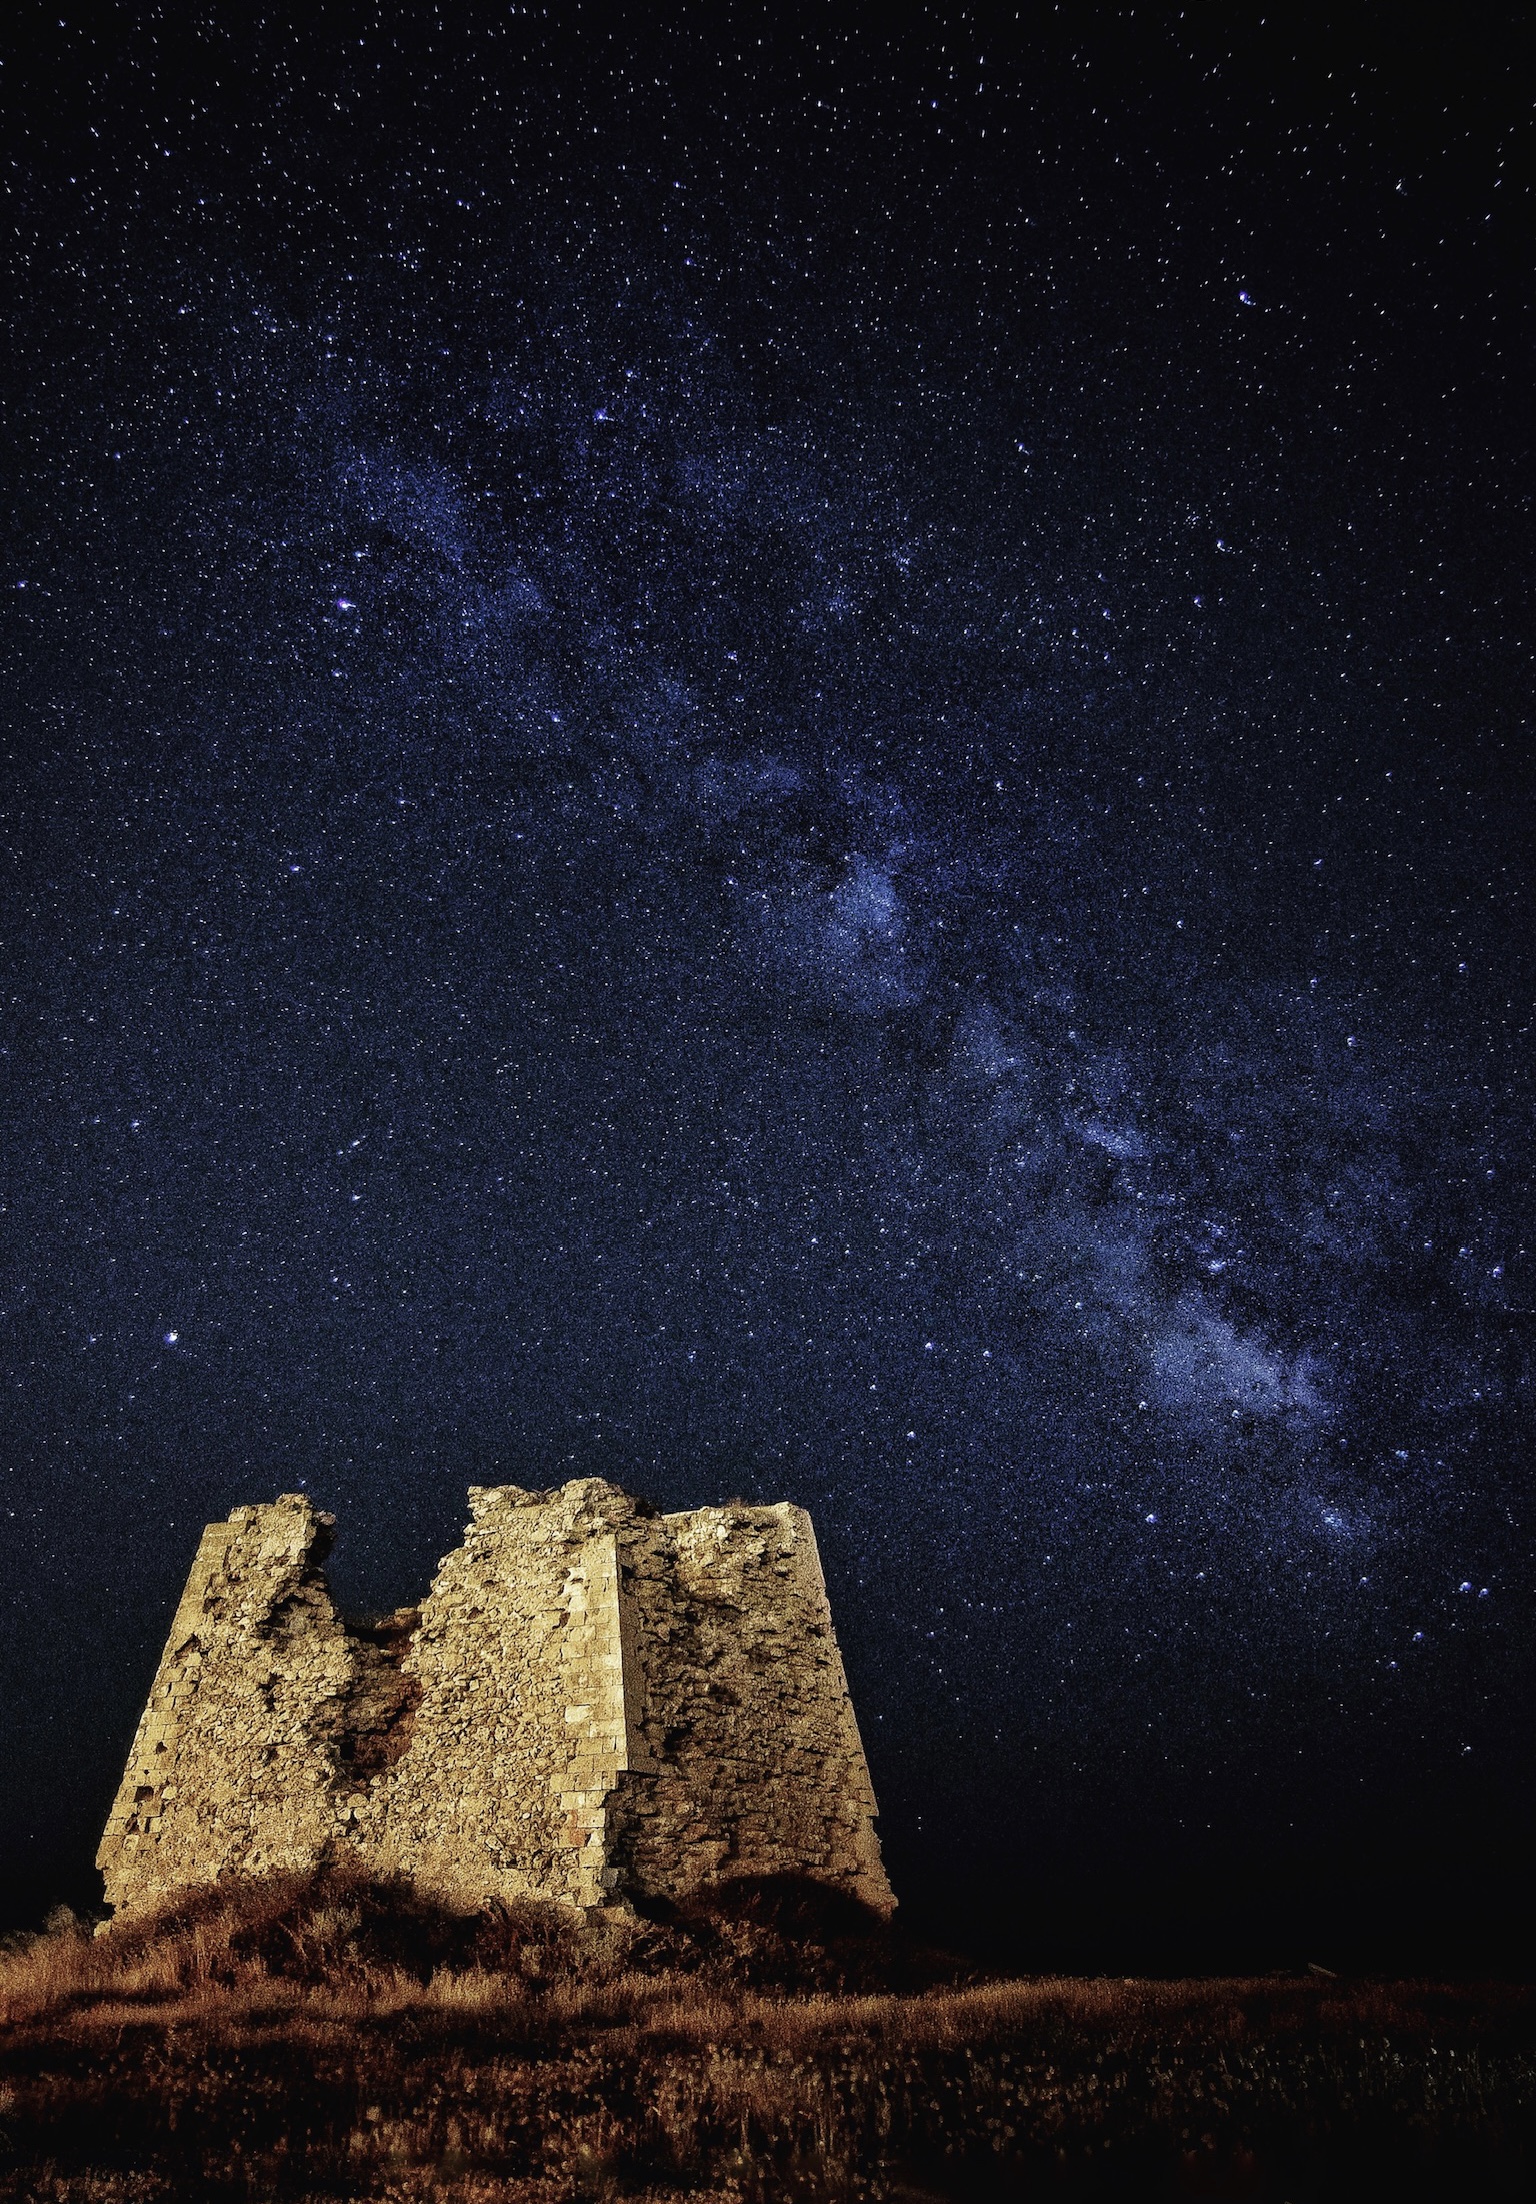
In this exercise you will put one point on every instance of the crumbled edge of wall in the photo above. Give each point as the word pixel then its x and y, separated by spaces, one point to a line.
pixel 263 1702
pixel 520 1730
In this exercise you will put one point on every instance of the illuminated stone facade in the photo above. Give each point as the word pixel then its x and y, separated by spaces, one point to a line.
pixel 594 1704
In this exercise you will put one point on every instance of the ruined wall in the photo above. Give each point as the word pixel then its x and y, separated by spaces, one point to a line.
pixel 744 1708
pixel 594 1702
pixel 230 1765
pixel 521 1731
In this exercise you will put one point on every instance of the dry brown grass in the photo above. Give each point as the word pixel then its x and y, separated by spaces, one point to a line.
pixel 338 2039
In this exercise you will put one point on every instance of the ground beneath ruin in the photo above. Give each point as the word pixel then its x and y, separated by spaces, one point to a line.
pixel 336 2039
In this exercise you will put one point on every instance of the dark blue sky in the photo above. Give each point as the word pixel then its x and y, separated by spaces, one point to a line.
pixel 795 762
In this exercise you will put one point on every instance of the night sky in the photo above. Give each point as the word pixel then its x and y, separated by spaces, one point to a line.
pixel 788 755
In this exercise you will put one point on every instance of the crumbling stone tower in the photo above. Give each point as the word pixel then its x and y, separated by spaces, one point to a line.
pixel 595 1703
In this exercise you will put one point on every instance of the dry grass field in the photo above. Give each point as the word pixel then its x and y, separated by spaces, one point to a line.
pixel 335 2039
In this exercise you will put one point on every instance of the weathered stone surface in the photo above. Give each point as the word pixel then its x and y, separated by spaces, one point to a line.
pixel 593 1703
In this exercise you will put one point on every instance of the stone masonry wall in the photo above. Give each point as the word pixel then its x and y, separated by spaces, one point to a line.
pixel 594 1703
pixel 753 1760
pixel 520 1732
pixel 230 1764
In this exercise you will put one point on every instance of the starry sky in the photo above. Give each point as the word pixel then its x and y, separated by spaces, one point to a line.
pixel 787 754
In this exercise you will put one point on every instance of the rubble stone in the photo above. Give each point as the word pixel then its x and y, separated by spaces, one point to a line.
pixel 594 1704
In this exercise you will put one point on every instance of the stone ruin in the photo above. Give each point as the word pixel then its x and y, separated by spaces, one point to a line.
pixel 595 1704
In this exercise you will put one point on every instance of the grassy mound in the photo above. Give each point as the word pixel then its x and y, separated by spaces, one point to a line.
pixel 299 2039
pixel 366 1938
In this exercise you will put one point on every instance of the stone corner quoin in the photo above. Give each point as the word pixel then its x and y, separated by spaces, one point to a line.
pixel 594 1703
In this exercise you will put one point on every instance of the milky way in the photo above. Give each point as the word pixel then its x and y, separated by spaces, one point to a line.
pixel 848 835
